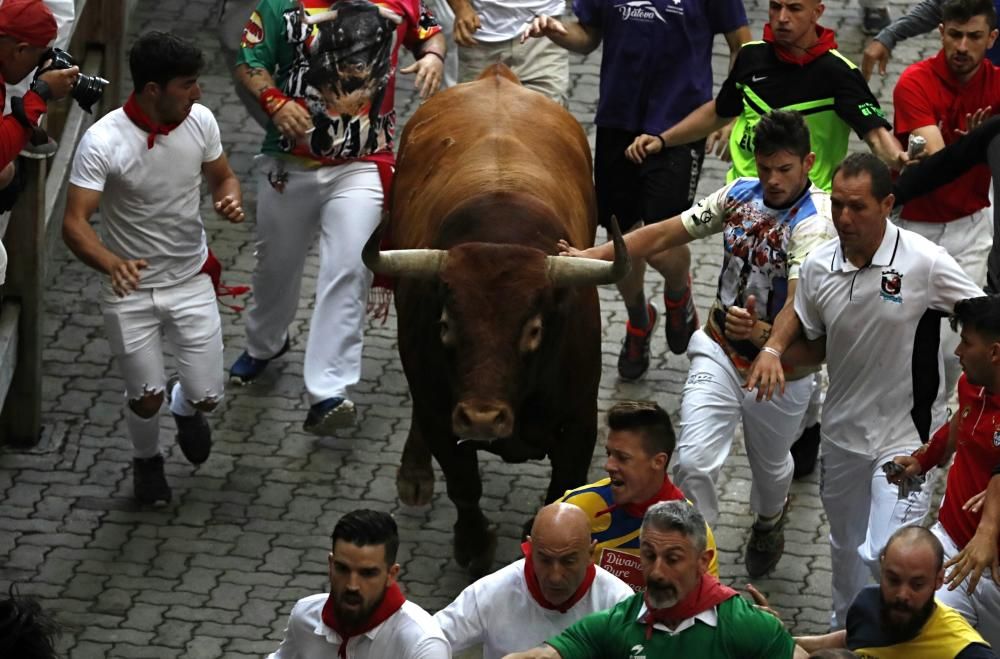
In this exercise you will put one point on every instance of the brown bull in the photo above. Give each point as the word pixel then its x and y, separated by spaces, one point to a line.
pixel 499 338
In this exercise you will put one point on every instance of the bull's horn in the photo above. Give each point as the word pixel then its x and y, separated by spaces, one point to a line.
pixel 391 15
pixel 575 271
pixel 313 19
pixel 412 263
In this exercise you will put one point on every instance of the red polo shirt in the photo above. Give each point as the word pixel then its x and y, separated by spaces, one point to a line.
pixel 977 451
pixel 928 94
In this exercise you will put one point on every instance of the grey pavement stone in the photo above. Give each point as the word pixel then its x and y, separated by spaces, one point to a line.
pixel 215 573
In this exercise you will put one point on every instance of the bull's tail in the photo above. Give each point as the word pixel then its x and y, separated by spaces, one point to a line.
pixel 499 70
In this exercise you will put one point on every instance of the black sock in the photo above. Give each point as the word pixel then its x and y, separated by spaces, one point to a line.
pixel 638 313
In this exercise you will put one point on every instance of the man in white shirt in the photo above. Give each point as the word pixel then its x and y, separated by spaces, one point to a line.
pixel 143 165
pixel 875 295
pixel 489 31
pixel 366 615
pixel 534 598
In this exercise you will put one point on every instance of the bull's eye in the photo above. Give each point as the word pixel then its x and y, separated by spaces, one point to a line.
pixel 531 335
pixel 447 336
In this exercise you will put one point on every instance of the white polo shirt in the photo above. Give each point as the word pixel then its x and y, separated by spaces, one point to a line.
pixel 882 325
pixel 502 20
pixel 409 633
pixel 499 612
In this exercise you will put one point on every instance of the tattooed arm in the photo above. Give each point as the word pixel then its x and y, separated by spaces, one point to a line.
pixel 291 119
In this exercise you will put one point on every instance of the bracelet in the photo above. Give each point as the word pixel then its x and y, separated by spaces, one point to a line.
pixel 271 100
pixel 434 53
pixel 663 142
pixel 771 351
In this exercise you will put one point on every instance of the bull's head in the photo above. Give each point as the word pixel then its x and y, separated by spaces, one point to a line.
pixel 350 56
pixel 498 305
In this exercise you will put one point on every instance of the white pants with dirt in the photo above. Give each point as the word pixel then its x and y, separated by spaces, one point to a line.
pixel 982 607
pixel 714 401
pixel 187 314
pixel 969 240
pixel 863 510
pixel 343 205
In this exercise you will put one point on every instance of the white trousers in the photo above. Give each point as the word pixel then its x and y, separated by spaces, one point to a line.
pixel 713 402
pixel 540 64
pixel 344 204
pixel 982 607
pixel 969 240
pixel 863 511
pixel 188 315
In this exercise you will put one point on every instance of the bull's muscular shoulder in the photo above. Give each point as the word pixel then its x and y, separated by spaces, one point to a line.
pixel 491 135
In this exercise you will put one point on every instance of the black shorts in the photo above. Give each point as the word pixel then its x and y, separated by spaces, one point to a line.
pixel 664 184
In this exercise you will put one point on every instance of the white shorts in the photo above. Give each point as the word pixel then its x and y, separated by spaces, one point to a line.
pixel 188 315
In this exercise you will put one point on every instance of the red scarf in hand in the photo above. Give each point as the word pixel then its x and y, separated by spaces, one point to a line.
pixel 825 42
pixel 142 120
pixel 531 579
pixel 667 492
pixel 707 594
pixel 391 602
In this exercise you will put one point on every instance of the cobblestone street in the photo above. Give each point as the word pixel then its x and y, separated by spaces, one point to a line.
pixel 215 573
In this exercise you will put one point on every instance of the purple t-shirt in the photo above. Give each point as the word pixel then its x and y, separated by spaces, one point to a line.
pixel 657 63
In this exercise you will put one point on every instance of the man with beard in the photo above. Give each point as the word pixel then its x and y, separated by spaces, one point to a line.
pixel 769 224
pixel 973 437
pixel 899 617
pixel 684 612
pixel 639 445
pixel 366 615
pixel 940 99
pixel 530 600
pixel 324 72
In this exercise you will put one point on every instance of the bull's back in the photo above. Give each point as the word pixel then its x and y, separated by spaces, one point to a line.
pixel 485 137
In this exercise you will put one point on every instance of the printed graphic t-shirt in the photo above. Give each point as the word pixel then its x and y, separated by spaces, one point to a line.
pixel 353 116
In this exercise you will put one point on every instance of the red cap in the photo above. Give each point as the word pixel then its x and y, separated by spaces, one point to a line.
pixel 28 21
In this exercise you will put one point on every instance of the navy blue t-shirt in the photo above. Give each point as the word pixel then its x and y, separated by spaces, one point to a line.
pixel 657 62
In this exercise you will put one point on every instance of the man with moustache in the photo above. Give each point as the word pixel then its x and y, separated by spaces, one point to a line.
pixel 366 615
pixel 532 599
pixel 899 617
pixel 684 612
pixel 769 224
pixel 639 445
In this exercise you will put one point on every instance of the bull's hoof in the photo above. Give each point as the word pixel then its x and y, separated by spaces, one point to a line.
pixel 476 551
pixel 415 485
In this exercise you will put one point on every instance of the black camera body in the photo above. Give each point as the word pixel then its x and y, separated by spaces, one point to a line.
pixel 87 90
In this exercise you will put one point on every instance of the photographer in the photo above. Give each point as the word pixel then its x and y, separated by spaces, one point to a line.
pixel 27 28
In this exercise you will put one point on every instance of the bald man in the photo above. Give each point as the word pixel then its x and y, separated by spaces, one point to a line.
pixel 537 597
pixel 900 616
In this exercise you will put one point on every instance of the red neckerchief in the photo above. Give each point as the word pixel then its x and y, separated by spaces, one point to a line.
pixel 707 594
pixel 142 120
pixel 667 492
pixel 391 603
pixel 825 42
pixel 531 579
pixel 940 67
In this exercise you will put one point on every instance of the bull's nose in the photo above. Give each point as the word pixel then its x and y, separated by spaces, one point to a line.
pixel 482 420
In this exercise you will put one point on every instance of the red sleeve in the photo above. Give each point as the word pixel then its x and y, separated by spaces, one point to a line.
pixel 13 136
pixel 911 99
pixel 419 31
pixel 931 454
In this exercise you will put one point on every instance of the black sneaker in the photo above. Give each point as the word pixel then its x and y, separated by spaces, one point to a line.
pixel 804 452
pixel 874 19
pixel 329 415
pixel 765 547
pixel 682 321
pixel 149 483
pixel 194 436
pixel 633 360
pixel 246 368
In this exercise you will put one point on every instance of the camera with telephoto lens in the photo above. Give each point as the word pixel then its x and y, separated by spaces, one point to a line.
pixel 87 90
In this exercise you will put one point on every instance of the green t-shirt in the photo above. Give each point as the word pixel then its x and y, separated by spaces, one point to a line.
pixel 742 632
